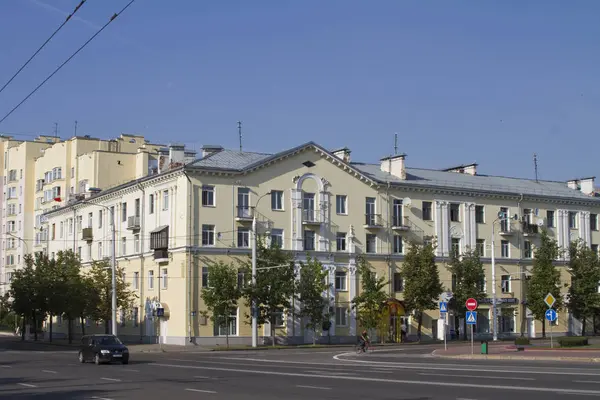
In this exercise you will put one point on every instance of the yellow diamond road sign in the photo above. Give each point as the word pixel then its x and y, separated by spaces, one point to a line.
pixel 549 300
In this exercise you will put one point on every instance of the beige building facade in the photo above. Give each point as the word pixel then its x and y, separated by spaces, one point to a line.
pixel 313 202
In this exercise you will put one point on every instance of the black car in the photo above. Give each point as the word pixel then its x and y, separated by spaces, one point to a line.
pixel 103 348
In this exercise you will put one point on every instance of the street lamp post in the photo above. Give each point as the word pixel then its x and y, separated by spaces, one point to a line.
pixel 113 262
pixel 254 306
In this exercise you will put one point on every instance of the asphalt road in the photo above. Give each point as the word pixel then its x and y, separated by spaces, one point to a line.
pixel 400 373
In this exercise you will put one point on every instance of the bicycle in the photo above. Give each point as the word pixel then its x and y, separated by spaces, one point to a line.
pixel 368 348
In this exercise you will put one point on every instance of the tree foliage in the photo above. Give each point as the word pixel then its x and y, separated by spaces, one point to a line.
pixel 545 279
pixel 314 306
pixel 369 303
pixel 468 277
pixel 583 297
pixel 222 294
pixel 422 285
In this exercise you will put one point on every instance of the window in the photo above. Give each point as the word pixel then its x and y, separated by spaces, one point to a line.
pixel 136 280
pixel 594 222
pixel 370 217
pixel 208 235
pixel 308 207
pixel 136 243
pixel 124 212
pixel 341 278
pixel 277 238
pixel 100 253
pixel 277 200
pixel 164 278
pixel 90 219
pixel 208 196
pixel 159 238
pixel 398 282
pixel 243 237
pixel 78 253
pixel 505 284
pixel 572 219
pixel 151 204
pixel 427 211
pixel 371 243
pixel 136 207
pixel 456 245
pixel 454 212
pixel 243 202
pixel 100 215
pixel 504 223
pixel 479 214
pixel 594 248
pixel 341 316
pixel 204 277
pixel 397 213
pixel 483 285
pixel 165 200
pixel 241 279
pixel 340 241
pixel 220 329
pixel 398 244
pixel 151 279
pixel 340 204
pixel 279 322
pixel 309 240
pixel 123 246
pixel 527 250
pixel 79 222
pixel 504 249
pixel 89 251
pixel 112 215
pixel 480 247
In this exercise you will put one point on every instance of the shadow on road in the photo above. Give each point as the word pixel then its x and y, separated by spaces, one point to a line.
pixel 60 395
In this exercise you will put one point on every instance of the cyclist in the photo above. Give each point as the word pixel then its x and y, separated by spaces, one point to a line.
pixel 364 340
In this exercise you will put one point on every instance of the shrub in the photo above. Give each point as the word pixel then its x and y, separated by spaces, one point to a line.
pixel 522 341
pixel 572 341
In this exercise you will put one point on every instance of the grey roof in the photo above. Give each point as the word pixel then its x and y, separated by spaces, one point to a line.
pixel 230 160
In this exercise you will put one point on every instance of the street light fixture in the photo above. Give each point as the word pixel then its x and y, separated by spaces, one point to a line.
pixel 113 261
pixel 254 240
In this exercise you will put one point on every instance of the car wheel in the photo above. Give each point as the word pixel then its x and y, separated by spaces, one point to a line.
pixel 81 359
pixel 97 359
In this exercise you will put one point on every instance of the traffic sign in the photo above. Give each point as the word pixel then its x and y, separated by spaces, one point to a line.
pixel 443 307
pixel 471 304
pixel 551 315
pixel 471 317
pixel 549 300
pixel 446 296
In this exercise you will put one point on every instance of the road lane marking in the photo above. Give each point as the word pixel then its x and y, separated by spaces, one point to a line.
pixel 27 385
pixel 484 377
pixel 200 391
pixel 315 371
pixel 313 387
pixel 49 371
pixel 383 380
pixel 204 377
pixel 101 398
pixel 111 379
pixel 130 370
pixel 5 366
pixel 595 382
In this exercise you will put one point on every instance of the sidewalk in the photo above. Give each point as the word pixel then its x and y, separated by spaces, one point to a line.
pixel 503 351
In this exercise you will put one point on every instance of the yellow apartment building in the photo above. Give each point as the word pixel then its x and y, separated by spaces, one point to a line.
pixel 313 202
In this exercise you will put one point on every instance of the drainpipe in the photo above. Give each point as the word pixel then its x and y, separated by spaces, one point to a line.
pixel 141 253
pixel 189 256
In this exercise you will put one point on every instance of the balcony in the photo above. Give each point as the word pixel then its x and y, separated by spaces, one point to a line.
pixel 529 229
pixel 161 255
pixel 87 234
pixel 400 223
pixel 373 221
pixel 133 223
pixel 311 217
pixel 243 213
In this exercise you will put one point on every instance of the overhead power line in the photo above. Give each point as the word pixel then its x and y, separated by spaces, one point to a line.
pixel 66 61
pixel 43 45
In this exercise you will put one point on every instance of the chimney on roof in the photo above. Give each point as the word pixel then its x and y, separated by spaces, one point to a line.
pixel 210 149
pixel 343 154
pixel 470 169
pixel 585 185
pixel 176 153
pixel 394 165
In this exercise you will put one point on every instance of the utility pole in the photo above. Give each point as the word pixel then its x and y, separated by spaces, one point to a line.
pixel 254 309
pixel 56 129
pixel 75 133
pixel 239 123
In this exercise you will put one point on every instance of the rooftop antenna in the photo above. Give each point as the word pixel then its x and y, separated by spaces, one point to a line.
pixel 240 133
pixel 56 129
pixel 535 166
pixel 396 143
pixel 75 128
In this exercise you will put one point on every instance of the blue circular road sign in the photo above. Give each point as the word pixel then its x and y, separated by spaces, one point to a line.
pixel 551 315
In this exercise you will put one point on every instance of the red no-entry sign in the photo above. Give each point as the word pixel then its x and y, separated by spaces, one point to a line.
pixel 471 304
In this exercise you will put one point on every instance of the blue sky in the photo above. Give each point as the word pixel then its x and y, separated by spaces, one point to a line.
pixel 459 81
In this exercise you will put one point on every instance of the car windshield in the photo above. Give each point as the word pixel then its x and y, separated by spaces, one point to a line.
pixel 109 340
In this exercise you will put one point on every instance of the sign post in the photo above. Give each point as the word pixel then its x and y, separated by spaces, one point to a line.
pixel 471 316
pixel 551 315
pixel 443 314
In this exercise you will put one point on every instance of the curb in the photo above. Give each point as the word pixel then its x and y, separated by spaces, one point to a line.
pixel 520 358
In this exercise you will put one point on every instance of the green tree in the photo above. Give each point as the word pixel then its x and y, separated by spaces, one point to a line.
pixel 545 279
pixel 275 285
pixel 50 294
pixel 583 297
pixel 468 278
pixel 25 291
pixel 222 294
pixel 369 303
pixel 100 276
pixel 422 287
pixel 313 305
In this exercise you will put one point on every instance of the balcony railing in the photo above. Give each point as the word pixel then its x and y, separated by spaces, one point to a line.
pixel 311 216
pixel 373 221
pixel 529 228
pixel 243 213
pixel 400 223
pixel 161 254
pixel 506 228
pixel 133 222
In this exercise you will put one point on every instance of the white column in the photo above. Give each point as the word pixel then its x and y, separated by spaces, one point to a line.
pixel 297 232
pixel 566 233
pixel 465 243
pixel 473 227
pixel 584 227
pixel 446 228
pixel 560 228
pixel 324 243
pixel 352 294
pixel 350 245
pixel 438 229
